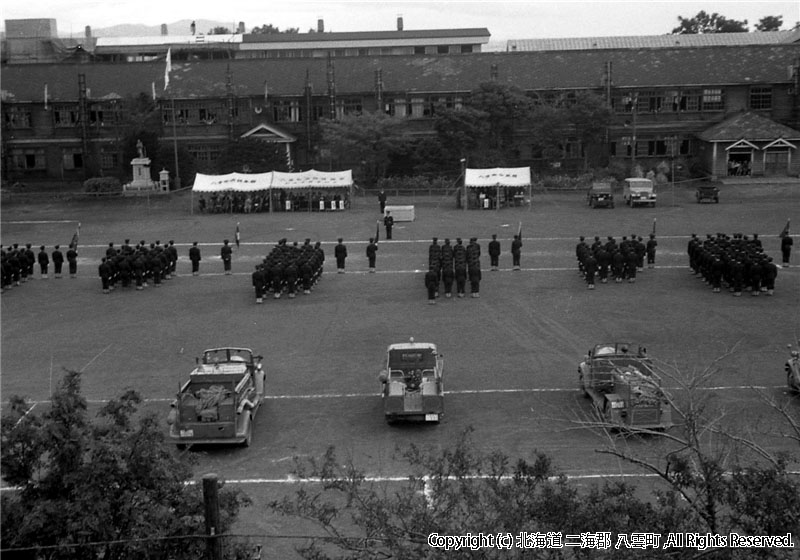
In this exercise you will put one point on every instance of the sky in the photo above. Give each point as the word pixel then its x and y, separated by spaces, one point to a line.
pixel 505 20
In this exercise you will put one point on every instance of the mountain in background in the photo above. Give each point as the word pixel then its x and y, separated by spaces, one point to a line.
pixel 181 27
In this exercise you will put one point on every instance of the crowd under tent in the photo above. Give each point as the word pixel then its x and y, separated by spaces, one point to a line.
pixel 278 191
pixel 496 188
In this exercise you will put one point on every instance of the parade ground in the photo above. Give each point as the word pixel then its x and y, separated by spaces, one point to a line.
pixel 510 357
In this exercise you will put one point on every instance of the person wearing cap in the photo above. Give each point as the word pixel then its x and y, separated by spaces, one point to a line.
pixel 460 266
pixel 258 283
pixel 172 252
pixel 448 274
pixel 225 254
pixel 195 257
pixel 382 200
pixel 44 261
pixel 388 223
pixel 474 267
pixel 27 260
pixel 105 274
pixel 516 252
pixel 651 251
pixel 58 261
pixel 431 284
pixel 72 261
pixel 494 253
pixel 340 253
pixel 786 249
pixel 372 253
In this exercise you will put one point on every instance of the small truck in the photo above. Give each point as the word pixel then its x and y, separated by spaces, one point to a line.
pixel 638 192
pixel 600 194
pixel 413 387
pixel 624 388
pixel 219 402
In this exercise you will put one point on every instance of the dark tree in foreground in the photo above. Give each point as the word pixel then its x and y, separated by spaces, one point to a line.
pixel 705 23
pixel 112 478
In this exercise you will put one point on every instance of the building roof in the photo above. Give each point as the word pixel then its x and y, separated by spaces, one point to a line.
pixel 475 33
pixel 631 68
pixel 655 41
pixel 750 126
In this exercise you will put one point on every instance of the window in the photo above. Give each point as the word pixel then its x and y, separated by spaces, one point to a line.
pixel 29 159
pixel 761 97
pixel 204 154
pixel 18 117
pixel 712 100
pixel 72 159
pixel 65 115
pixel 109 159
pixel 442 49
pixel 466 49
pixel 419 50
pixel 96 117
pixel 363 52
pixel 286 110
pixel 348 106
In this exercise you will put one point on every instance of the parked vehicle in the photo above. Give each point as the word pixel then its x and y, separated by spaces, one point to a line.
pixel 638 192
pixel 624 388
pixel 792 369
pixel 219 402
pixel 600 195
pixel 707 192
pixel 413 387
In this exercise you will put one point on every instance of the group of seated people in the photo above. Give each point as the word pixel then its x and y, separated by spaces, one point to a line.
pixel 226 202
pixel 486 197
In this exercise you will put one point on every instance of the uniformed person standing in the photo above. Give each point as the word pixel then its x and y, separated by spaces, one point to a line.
pixel 651 251
pixel 105 274
pixel 460 266
pixel 494 253
pixel 382 200
pixel 44 261
pixel 72 261
pixel 448 274
pixel 516 251
pixel 226 254
pixel 340 253
pixel 258 283
pixel 58 261
pixel 474 267
pixel 388 223
pixel 372 253
pixel 590 269
pixel 194 256
pixel 431 284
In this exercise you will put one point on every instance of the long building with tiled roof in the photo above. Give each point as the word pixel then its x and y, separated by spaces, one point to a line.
pixel 663 100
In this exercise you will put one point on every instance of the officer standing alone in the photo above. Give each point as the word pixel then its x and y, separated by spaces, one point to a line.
pixel 225 253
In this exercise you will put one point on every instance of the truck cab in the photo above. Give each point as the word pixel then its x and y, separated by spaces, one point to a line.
pixel 412 383
pixel 219 402
pixel 624 388
pixel 639 192
pixel 600 195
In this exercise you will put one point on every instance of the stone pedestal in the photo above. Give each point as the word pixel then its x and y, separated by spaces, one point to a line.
pixel 141 176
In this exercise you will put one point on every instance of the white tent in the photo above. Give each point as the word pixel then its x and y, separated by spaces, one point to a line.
pixel 504 183
pixel 277 180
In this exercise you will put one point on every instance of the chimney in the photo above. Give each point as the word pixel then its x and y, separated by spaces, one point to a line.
pixel 164 32
pixel 320 26
pixel 88 32
pixel 399 23
pixel 241 27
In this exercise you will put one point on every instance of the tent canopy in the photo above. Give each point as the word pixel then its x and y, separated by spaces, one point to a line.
pixel 248 182
pixel 498 177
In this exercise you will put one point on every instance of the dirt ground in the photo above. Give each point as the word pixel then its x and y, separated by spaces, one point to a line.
pixel 510 357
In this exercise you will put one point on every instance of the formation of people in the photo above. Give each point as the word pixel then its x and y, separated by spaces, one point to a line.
pixel 453 264
pixel 734 262
pixel 288 269
pixel 611 260
pixel 18 264
pixel 140 265
pixel 227 202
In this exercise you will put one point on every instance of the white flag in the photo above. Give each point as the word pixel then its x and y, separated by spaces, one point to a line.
pixel 168 68
pixel 45 97
pixel 154 91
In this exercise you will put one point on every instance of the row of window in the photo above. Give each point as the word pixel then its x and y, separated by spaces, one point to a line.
pixel 361 51
pixel 294 110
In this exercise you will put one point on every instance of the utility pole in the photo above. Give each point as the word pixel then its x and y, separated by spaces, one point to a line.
pixel 83 115
pixel 211 503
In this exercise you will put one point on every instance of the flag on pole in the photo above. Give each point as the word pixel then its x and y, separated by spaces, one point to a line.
pixel 45 97
pixel 74 242
pixel 168 68
pixel 377 231
pixel 654 226
pixel 785 231
pixel 237 234
pixel 154 91
pixel 519 231
pixel 266 92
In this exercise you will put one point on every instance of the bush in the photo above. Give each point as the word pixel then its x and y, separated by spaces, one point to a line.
pixel 99 185
pixel 415 183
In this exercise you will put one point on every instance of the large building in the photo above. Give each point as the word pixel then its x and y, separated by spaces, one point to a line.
pixel 717 105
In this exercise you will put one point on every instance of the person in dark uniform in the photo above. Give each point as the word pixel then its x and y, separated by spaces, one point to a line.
pixel 618 265
pixel 631 260
pixel 786 249
pixel 382 200
pixel 72 261
pixel 276 273
pixel 58 261
pixel 372 253
pixel 388 223
pixel 258 283
pixel 226 253
pixel 580 253
pixel 435 259
pixel 590 269
pixel 651 251
pixel 447 272
pixel 516 252
pixel 460 266
pixel 340 253
pixel 640 249
pixel 194 256
pixel 172 252
pixel 769 273
pixel 27 260
pixel 494 253
pixel 474 267
pixel 603 263
pixel 44 261
pixel 432 284
pixel 105 274
pixel 290 274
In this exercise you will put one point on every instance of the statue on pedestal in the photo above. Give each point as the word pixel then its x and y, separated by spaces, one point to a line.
pixel 141 149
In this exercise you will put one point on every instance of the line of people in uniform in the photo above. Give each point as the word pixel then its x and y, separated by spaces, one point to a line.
pixel 736 262
pixel 453 264
pixel 17 264
pixel 609 259
pixel 137 265
pixel 289 268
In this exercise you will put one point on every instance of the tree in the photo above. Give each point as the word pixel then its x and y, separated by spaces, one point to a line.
pixel 251 155
pixel 106 480
pixel 269 29
pixel 219 30
pixel 590 117
pixel 367 140
pixel 508 110
pixel 704 23
pixel 770 23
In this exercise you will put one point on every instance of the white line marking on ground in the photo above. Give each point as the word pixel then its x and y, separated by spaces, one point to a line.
pixel 43 222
